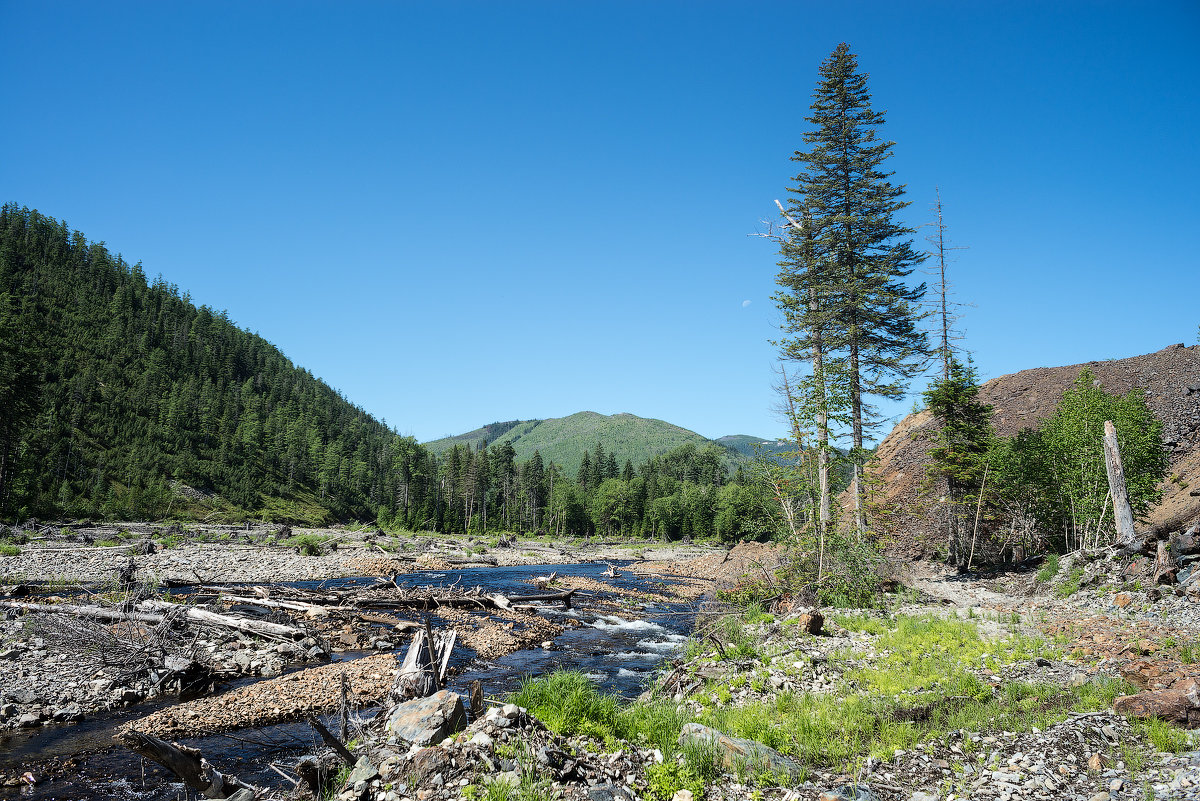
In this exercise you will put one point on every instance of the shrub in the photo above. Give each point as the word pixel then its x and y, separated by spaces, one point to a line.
pixel 307 544
pixel 7 549
pixel 1049 569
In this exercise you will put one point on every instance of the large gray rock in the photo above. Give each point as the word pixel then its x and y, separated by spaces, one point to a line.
pixel 609 792
pixel 734 750
pixel 428 721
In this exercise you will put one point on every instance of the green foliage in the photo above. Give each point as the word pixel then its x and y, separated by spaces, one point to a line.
pixel 1070 584
pixel 1049 569
pixel 843 275
pixel 1056 476
pixel 669 778
pixel 8 549
pixel 959 454
pixel 308 544
pixel 141 392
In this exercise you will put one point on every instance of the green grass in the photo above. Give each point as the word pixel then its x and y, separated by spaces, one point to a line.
pixel 1070 585
pixel 7 549
pixel 1163 736
pixel 1049 569
pixel 928 676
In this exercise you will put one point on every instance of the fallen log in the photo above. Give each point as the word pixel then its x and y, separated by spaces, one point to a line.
pixel 188 764
pixel 159 611
pixel 474 560
pixel 76 610
pixel 331 741
pixel 429 602
pixel 312 610
pixel 262 628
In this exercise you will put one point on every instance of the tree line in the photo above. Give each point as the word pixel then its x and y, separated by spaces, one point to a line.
pixel 121 399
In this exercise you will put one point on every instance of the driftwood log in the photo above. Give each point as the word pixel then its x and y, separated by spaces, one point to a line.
pixel 152 611
pixel 189 765
pixel 429 602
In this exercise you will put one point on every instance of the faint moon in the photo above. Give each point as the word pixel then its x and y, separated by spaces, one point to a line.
pixel 745 303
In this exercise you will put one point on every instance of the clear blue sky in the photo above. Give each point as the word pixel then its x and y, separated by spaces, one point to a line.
pixel 464 212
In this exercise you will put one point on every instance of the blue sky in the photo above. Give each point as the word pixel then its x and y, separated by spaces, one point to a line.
pixel 464 212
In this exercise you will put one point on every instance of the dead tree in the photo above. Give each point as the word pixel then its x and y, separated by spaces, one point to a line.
pixel 425 665
pixel 1122 513
pixel 188 764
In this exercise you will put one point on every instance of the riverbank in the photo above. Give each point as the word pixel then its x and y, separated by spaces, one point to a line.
pixel 608 626
pixel 961 688
pixel 196 553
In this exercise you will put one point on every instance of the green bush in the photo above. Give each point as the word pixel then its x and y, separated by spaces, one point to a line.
pixel 1056 478
pixel 308 544
pixel 671 777
pixel 1049 569
pixel 9 550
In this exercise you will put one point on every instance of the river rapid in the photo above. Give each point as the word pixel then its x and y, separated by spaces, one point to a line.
pixel 619 650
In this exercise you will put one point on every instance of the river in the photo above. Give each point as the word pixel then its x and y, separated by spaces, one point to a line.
pixel 618 651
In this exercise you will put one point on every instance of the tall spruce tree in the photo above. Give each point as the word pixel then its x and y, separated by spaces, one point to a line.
pixel 811 401
pixel 864 251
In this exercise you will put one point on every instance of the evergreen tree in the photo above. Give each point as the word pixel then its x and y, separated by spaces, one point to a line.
pixel 959 452
pixel 18 387
pixel 857 239
pixel 585 479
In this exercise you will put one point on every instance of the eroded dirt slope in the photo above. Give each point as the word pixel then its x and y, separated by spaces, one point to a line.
pixel 1169 377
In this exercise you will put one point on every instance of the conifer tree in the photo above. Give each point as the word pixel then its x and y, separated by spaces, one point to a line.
pixel 585 471
pixel 862 248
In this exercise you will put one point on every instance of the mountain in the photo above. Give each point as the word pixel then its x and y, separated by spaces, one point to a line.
pixel 120 398
pixel 564 439
pixel 1170 379
pixel 750 447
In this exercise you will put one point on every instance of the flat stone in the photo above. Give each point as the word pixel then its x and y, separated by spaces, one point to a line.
pixel 1169 705
pixel 610 792
pixel 734 750
pixel 363 771
pixel 848 792
pixel 428 721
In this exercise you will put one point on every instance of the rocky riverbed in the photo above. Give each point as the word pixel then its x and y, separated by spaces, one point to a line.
pixel 229 554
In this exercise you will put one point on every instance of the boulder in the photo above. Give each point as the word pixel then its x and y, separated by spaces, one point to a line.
pixel 1172 706
pixel 812 622
pixel 734 750
pixel 428 721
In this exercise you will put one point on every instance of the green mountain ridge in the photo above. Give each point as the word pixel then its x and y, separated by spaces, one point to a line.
pixel 116 390
pixel 563 440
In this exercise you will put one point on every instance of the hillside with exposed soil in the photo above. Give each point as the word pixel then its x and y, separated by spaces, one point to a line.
pixel 1170 379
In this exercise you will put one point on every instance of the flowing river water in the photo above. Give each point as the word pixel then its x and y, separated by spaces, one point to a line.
pixel 619 652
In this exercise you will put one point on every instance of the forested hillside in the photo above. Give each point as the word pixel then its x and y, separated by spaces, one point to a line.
pixel 123 399
pixel 563 440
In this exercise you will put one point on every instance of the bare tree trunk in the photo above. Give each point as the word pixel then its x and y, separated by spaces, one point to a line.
pixel 1122 513
pixel 818 368
pixel 856 411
